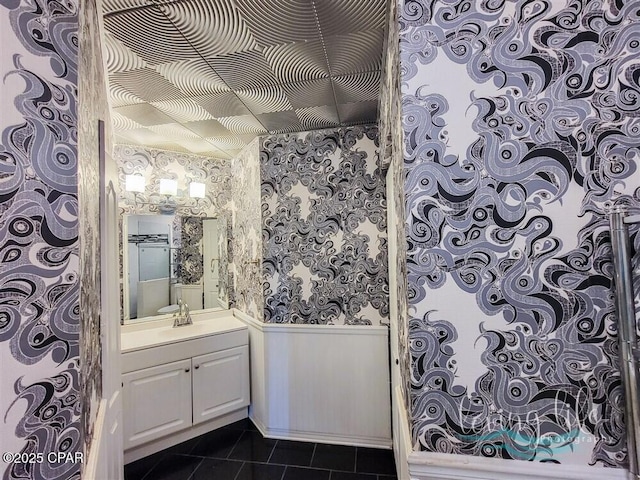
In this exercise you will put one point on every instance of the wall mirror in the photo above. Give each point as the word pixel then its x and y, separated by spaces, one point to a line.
pixel 171 257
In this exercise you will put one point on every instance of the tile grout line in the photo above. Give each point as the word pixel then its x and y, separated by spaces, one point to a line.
pixel 239 470
pixel 162 457
pixel 315 445
pixel 273 449
pixel 196 469
pixel 355 463
pixel 228 457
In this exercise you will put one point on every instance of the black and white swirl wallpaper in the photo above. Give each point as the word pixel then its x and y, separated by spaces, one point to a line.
pixel 49 231
pixel 191 267
pixel 520 124
pixel 245 243
pixel 324 228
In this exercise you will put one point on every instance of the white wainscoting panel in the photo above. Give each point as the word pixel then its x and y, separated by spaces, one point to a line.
pixel 320 383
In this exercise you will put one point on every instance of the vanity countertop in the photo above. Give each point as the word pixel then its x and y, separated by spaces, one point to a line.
pixel 157 333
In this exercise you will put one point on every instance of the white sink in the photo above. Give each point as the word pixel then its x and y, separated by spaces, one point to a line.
pixel 169 309
pixel 151 334
pixel 182 331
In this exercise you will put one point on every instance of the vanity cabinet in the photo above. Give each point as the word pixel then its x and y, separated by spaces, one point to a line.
pixel 179 389
pixel 157 402
pixel 220 383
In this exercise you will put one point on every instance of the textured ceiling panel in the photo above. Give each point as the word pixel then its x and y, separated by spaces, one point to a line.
pixel 338 17
pixel 340 50
pixel 358 112
pixel 213 28
pixel 226 142
pixel 310 93
pixel 109 6
pixel 222 105
pixel 359 87
pixel 208 128
pixel 243 70
pixel 174 131
pixel 193 77
pixel 202 147
pixel 119 57
pixel 120 96
pixel 183 110
pixel 146 84
pixel 120 122
pixel 207 76
pixel 150 34
pixel 142 136
pixel 145 114
pixel 281 122
pixel 279 22
pixel 317 117
pixel 265 100
pixel 296 62
pixel 243 124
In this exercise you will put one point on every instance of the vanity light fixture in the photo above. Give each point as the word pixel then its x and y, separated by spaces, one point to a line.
pixel 134 183
pixel 168 187
pixel 197 190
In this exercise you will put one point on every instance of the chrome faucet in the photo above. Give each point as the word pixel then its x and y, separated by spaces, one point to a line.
pixel 182 316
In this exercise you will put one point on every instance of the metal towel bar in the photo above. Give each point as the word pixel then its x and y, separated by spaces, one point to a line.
pixel 627 337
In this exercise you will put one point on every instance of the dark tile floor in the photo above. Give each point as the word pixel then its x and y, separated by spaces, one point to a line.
pixel 239 452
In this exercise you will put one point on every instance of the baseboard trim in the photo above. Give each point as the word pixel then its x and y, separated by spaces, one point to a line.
pixel 313 437
pixel 443 466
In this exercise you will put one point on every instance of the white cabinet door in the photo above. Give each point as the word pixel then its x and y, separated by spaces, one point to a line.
pixel 220 383
pixel 157 402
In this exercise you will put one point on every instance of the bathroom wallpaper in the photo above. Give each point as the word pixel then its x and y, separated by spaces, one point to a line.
pixel 50 380
pixel 391 158
pixel 245 255
pixel 191 267
pixel 156 164
pixel 511 159
pixel 324 228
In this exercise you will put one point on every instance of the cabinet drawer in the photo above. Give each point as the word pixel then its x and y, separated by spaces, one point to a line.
pixel 157 402
pixel 148 357
pixel 220 383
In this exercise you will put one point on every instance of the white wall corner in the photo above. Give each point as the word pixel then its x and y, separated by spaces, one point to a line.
pixel 401 435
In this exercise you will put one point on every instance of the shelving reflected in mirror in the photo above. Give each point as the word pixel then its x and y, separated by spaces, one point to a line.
pixel 172 257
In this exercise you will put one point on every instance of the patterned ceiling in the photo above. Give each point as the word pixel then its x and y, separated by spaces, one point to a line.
pixel 207 76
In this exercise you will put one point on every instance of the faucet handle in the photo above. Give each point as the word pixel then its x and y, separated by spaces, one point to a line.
pixel 187 315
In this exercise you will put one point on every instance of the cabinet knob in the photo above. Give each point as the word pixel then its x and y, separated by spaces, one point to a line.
pixel 187 369
pixel 197 367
